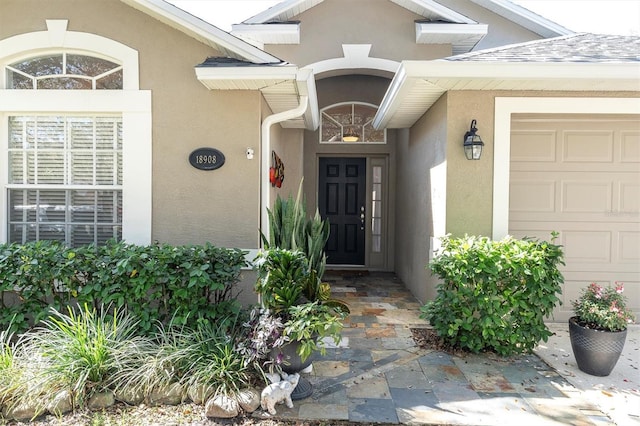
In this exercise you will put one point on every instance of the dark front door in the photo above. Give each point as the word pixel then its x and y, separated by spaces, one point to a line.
pixel 341 199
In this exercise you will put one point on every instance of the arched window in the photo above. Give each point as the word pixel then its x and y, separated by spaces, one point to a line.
pixel 75 161
pixel 64 71
pixel 350 123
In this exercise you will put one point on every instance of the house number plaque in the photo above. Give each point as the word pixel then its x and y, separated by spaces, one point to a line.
pixel 206 159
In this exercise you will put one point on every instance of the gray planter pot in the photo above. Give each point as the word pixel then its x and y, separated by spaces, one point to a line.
pixel 291 363
pixel 596 351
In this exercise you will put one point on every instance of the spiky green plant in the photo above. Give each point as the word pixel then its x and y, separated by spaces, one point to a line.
pixel 74 351
pixel 209 359
pixel 6 363
pixel 290 228
pixel 203 355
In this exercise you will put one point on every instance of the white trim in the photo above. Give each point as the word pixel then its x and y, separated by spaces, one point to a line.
pixel 4 175
pixel 135 107
pixel 261 34
pixel 306 84
pixel 445 13
pixel 356 56
pixel 132 103
pixel 453 32
pixel 524 17
pixel 281 8
pixel 57 39
pixel 239 73
pixel 505 107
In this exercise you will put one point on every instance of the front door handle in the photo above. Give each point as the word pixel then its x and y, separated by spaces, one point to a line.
pixel 362 217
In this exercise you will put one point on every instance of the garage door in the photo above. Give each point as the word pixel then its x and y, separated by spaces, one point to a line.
pixel 580 176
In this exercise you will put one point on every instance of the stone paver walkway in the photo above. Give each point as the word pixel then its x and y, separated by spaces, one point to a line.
pixel 378 375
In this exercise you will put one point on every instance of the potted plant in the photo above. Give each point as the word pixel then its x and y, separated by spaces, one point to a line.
pixel 289 325
pixel 599 328
pixel 291 228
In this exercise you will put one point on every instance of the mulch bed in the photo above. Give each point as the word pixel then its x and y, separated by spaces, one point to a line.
pixel 427 338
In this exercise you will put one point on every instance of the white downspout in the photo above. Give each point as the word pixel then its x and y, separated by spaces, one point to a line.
pixel 265 199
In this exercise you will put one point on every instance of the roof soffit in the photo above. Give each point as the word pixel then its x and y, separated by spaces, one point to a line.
pixel 418 84
pixel 281 87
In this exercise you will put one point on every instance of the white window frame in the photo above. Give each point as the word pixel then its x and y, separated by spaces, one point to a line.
pixel 340 142
pixel 132 104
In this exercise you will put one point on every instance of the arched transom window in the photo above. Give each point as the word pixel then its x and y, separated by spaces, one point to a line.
pixel 351 123
pixel 66 71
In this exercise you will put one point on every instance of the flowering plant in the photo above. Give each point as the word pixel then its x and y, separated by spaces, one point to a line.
pixel 602 308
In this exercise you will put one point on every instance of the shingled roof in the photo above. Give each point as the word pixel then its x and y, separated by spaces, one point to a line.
pixel 580 47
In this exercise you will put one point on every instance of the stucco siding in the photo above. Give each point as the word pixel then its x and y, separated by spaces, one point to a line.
pixel 421 181
pixel 357 22
pixel 288 145
pixel 189 205
pixel 219 206
pixel 469 183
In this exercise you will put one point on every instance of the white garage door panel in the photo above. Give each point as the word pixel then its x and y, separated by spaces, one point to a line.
pixel 580 176
pixel 580 146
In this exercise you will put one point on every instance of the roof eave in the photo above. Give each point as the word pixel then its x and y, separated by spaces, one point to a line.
pixel 418 84
pixel 202 31
pixel 524 17
pixel 281 9
pixel 289 8
pixel 281 86
pixel 261 34
pixel 462 37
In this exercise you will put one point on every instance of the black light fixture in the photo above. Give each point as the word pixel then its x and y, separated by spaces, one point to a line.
pixel 472 143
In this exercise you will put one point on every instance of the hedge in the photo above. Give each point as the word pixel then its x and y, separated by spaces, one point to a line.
pixel 154 283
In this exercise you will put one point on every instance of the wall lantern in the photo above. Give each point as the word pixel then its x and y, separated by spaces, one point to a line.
pixel 472 143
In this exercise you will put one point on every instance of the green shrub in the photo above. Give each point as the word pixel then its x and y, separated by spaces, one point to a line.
pixel 153 283
pixel 282 277
pixel 495 294
pixel 28 277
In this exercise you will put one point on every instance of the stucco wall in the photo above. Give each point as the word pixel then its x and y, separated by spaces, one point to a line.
pixel 468 203
pixel 332 23
pixel 420 199
pixel 189 205
pixel 469 183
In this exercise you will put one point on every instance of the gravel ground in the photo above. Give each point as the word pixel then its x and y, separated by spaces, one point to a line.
pixel 185 414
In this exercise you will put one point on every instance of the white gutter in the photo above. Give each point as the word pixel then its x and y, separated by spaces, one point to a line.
pixel 265 188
